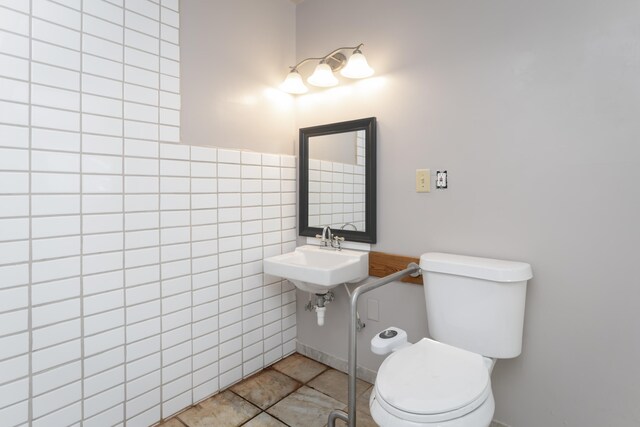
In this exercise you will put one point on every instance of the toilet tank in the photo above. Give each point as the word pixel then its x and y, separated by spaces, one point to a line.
pixel 476 303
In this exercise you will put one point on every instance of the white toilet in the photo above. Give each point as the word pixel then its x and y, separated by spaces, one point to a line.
pixel 475 311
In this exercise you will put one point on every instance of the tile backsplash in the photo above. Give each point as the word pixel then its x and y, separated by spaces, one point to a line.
pixel 337 194
pixel 131 280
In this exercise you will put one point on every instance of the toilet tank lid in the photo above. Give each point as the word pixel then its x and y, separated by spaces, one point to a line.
pixel 481 268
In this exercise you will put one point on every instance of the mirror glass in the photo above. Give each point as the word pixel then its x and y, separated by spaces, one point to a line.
pixel 337 179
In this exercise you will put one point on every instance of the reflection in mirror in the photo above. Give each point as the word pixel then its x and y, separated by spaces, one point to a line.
pixel 336 181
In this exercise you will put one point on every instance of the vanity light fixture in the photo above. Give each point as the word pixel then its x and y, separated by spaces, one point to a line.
pixel 293 83
pixel 323 76
pixel 357 67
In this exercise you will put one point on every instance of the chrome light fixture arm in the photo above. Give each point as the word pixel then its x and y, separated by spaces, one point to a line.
pixel 332 54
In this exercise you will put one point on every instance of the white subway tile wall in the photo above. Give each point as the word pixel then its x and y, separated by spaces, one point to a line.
pixel 131 281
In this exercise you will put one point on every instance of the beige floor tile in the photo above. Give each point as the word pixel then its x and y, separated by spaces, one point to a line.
pixel 266 388
pixel 305 407
pixel 300 367
pixel 222 410
pixel 335 384
pixel 362 402
pixel 264 420
pixel 173 422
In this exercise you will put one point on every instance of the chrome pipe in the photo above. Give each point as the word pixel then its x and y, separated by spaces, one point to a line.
pixel 412 269
pixel 335 415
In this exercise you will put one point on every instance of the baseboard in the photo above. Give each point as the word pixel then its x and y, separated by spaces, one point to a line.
pixel 495 423
pixel 365 374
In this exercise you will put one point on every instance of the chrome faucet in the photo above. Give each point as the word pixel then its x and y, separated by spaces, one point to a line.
pixel 326 236
pixel 328 240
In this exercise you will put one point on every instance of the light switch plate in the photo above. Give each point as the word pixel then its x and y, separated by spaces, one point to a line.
pixel 423 180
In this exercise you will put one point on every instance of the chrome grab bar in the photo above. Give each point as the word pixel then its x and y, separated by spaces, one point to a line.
pixel 412 269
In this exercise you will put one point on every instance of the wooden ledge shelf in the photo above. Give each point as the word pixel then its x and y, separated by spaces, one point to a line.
pixel 382 264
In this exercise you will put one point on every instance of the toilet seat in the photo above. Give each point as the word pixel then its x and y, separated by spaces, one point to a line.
pixel 430 381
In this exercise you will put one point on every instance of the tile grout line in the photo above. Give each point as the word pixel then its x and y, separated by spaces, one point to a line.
pixel 80 129
pixel 191 392
pixel 30 278
pixel 160 274
pixel 281 248
pixel 242 262
pixel 124 252
pixel 217 244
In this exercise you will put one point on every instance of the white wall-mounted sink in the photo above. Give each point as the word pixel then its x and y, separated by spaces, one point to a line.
pixel 317 269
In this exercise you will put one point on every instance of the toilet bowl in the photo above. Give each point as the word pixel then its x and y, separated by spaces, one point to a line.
pixel 433 384
pixel 475 314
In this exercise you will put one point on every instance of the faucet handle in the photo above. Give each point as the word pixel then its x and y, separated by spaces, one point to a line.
pixel 323 240
pixel 336 242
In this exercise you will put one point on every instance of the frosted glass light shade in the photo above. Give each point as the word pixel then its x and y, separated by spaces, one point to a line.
pixel 323 76
pixel 293 84
pixel 357 67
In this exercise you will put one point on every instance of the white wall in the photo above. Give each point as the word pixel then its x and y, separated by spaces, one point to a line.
pixel 131 280
pixel 338 147
pixel 532 108
pixel 234 56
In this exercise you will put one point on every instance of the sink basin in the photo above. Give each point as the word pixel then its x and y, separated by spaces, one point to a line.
pixel 317 269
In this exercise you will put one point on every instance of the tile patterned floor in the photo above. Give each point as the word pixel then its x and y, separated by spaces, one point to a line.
pixel 295 392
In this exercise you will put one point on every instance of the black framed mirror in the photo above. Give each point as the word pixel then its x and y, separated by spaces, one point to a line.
pixel 338 179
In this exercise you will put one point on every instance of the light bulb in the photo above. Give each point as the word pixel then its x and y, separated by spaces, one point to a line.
pixel 293 83
pixel 323 76
pixel 357 67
